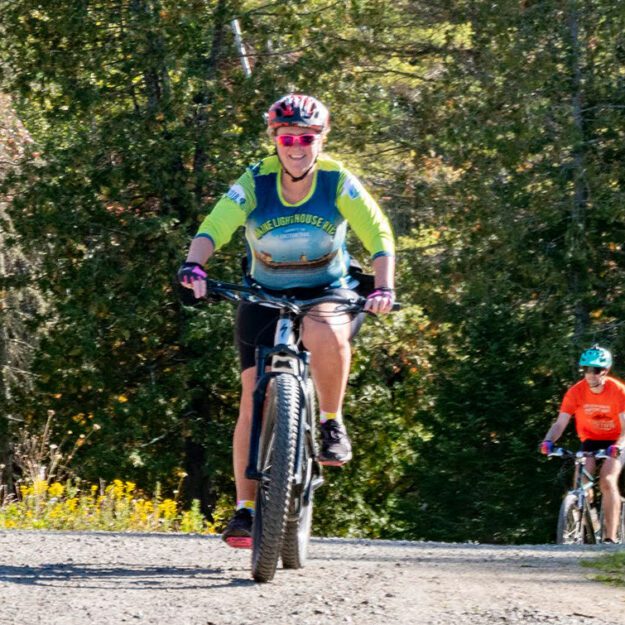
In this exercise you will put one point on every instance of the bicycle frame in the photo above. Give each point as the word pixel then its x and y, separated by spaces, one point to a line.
pixel 283 357
pixel 583 481
pixel 583 484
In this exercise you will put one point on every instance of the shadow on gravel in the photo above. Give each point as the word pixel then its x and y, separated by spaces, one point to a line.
pixel 127 577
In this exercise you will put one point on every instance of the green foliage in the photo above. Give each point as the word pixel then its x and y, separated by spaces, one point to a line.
pixel 385 388
pixel 491 133
pixel 517 278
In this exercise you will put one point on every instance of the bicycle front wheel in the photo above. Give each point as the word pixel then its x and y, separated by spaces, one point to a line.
pixel 299 523
pixel 570 529
pixel 277 458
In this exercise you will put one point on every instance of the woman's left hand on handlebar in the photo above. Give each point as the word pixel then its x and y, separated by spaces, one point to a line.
pixel 380 301
pixel 613 451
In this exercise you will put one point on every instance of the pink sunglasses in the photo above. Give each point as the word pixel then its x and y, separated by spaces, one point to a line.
pixel 290 140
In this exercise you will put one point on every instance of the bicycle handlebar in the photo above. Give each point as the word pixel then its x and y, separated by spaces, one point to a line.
pixel 560 452
pixel 257 295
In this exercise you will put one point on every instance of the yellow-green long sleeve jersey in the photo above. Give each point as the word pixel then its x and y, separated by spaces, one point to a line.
pixel 303 244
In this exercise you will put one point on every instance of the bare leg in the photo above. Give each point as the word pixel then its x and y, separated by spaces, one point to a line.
pixel 327 339
pixel 246 489
pixel 611 497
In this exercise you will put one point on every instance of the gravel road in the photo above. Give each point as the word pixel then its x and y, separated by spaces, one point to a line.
pixel 67 578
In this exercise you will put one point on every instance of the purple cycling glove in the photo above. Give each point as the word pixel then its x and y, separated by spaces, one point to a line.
pixel 190 272
pixel 383 291
pixel 545 448
pixel 614 451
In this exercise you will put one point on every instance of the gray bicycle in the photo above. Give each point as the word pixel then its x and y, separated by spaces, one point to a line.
pixel 283 446
pixel 581 516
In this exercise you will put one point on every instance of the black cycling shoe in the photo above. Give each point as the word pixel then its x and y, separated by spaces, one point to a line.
pixel 238 532
pixel 608 541
pixel 336 448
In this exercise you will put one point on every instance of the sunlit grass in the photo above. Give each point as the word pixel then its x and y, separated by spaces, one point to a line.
pixel 115 507
pixel 612 567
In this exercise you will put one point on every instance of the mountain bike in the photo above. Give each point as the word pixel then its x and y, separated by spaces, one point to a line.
pixel 581 516
pixel 283 449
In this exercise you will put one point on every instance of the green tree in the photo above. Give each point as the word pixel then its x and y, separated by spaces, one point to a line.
pixel 492 135
pixel 527 268
pixel 21 305
pixel 144 116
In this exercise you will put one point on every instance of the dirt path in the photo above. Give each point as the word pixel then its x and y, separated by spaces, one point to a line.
pixel 110 579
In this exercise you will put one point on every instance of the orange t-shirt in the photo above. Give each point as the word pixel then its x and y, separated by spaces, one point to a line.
pixel 596 414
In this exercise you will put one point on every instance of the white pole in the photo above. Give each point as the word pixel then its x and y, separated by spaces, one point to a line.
pixel 245 63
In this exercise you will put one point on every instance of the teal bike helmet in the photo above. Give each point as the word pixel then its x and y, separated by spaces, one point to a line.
pixel 596 356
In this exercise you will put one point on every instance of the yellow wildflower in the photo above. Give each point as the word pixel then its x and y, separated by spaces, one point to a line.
pixel 40 487
pixel 56 489
pixel 168 509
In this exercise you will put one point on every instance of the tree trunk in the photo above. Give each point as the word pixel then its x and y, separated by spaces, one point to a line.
pixel 5 475
pixel 577 240
pixel 198 484
pixel 20 302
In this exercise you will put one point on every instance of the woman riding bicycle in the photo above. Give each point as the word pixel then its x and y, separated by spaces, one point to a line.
pixel 598 404
pixel 295 206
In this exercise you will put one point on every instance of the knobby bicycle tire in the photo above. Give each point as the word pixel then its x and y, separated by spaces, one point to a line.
pixel 570 530
pixel 592 530
pixel 299 524
pixel 277 457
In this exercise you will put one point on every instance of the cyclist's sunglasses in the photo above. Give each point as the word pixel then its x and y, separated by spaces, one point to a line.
pixel 595 370
pixel 290 140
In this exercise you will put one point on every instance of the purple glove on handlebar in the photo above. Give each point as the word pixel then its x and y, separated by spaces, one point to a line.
pixel 545 448
pixel 190 272
pixel 614 451
pixel 384 292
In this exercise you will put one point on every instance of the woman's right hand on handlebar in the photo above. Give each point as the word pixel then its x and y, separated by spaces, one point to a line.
pixel 192 276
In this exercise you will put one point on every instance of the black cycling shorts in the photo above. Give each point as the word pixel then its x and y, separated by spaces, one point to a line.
pixel 255 324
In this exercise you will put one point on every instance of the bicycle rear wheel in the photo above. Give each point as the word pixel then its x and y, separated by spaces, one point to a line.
pixel 277 458
pixel 592 524
pixel 299 523
pixel 570 529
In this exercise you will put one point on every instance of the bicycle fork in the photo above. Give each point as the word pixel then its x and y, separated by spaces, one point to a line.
pixel 585 503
